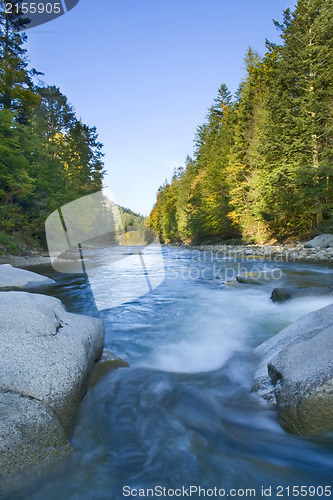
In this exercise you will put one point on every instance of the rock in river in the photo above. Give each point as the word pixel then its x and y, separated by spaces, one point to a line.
pixel 322 241
pixel 46 358
pixel 296 373
pixel 12 277
pixel 248 280
pixel 281 294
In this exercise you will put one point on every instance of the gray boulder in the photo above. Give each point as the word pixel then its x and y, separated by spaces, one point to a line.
pixel 281 294
pixel 46 358
pixel 296 373
pixel 29 435
pixel 12 277
pixel 322 241
pixel 303 378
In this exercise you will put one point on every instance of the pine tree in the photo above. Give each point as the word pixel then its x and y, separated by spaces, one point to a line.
pixel 16 87
pixel 47 156
pixel 15 182
pixel 295 184
pixel 263 163
pixel 81 158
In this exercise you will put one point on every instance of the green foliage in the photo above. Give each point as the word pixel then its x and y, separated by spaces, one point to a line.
pixel 7 243
pixel 47 156
pixel 262 167
pixel 130 219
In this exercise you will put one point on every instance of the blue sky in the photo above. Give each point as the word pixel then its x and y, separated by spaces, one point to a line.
pixel 145 73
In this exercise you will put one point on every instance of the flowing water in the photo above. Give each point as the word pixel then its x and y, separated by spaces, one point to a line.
pixel 183 413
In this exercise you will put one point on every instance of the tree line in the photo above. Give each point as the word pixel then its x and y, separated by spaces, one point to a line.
pixel 48 157
pixel 262 167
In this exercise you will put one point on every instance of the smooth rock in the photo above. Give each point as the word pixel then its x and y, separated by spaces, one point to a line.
pixel 296 371
pixel 26 426
pixel 303 377
pixel 12 277
pixel 46 358
pixel 286 293
pixel 322 241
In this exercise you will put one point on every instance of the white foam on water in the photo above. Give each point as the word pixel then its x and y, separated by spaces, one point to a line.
pixel 222 322
pixel 196 354
pixel 213 330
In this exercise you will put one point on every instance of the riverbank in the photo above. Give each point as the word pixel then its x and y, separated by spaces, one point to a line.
pixel 25 260
pixel 278 253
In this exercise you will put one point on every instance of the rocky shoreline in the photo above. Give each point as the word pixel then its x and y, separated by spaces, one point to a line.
pixel 276 253
pixel 320 249
pixel 25 260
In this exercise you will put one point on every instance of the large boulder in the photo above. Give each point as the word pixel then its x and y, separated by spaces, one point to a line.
pixel 322 241
pixel 303 377
pixel 30 435
pixel 46 358
pixel 296 373
pixel 12 277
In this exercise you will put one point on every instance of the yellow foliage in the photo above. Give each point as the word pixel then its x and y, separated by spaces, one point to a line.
pixel 234 217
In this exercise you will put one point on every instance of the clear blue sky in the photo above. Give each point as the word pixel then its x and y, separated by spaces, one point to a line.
pixel 144 72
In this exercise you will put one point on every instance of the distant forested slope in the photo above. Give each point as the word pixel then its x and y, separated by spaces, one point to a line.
pixel 130 219
pixel 262 167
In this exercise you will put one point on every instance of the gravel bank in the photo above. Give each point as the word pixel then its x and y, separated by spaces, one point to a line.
pixel 276 253
pixel 25 260
pixel 272 252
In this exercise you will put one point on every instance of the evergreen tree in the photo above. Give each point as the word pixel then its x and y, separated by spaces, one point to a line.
pixel 47 156
pixel 81 159
pixel 15 182
pixel 295 185
pixel 16 87
pixel 263 162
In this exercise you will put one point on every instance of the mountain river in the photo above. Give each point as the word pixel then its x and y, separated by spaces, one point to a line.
pixel 181 420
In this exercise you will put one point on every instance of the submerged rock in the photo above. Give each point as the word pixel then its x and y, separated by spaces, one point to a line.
pixel 259 276
pixel 107 363
pixel 322 241
pixel 296 373
pixel 46 358
pixel 286 293
pixel 12 277
pixel 248 280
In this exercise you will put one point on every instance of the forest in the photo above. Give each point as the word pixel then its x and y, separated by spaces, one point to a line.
pixel 262 165
pixel 48 157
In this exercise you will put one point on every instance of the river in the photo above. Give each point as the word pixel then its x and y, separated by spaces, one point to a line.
pixel 183 413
